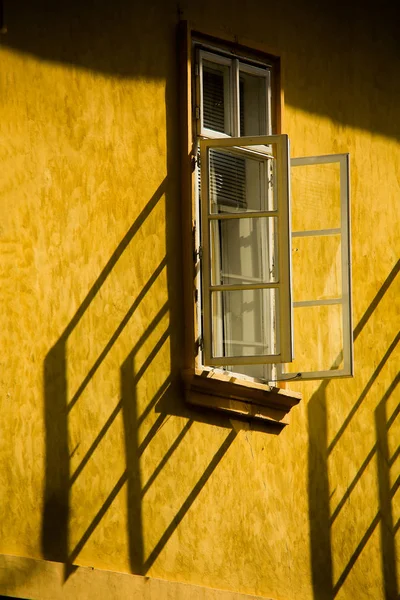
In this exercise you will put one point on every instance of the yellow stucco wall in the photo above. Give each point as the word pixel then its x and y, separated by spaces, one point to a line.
pixel 101 463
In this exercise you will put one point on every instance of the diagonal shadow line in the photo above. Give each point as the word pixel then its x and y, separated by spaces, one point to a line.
pixel 366 316
pixel 396 527
pixel 353 484
pixel 396 411
pixel 57 477
pixel 160 392
pixel 155 350
pixel 320 583
pixel 382 290
pixel 110 499
pixel 189 501
pixel 116 334
pixel 149 329
pixel 395 487
pixel 96 442
pixel 365 391
pixel 114 413
pixel 158 423
pixel 360 472
pixel 356 554
pixel 395 456
pixel 152 432
pixel 116 255
pixel 166 457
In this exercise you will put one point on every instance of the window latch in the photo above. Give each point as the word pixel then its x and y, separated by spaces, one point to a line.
pixel 200 344
pixel 198 254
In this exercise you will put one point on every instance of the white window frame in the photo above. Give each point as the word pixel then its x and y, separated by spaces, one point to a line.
pixel 237 66
pixel 282 212
pixel 208 138
pixel 344 300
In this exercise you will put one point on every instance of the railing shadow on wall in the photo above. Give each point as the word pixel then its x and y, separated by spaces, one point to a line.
pixel 58 479
pixel 167 401
pixel 320 517
pixel 62 38
pixel 127 37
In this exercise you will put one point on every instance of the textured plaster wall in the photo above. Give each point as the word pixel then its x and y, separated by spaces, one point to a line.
pixel 101 463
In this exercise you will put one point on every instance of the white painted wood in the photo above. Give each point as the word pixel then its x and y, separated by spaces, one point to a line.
pixel 345 299
pixel 284 308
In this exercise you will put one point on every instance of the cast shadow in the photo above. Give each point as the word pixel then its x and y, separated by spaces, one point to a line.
pixel 58 404
pixel 320 518
pixel 53 41
pixel 359 42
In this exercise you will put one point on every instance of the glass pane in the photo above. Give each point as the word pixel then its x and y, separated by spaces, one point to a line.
pixel 318 340
pixel 316 267
pixel 244 251
pixel 216 98
pixel 315 196
pixel 244 322
pixel 240 182
pixel 253 104
pixel 261 372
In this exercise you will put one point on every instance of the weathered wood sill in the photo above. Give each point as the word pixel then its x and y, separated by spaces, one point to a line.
pixel 241 398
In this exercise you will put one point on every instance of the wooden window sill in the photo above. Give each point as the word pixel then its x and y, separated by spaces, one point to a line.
pixel 240 398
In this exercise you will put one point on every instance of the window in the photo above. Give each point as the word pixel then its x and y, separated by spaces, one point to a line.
pixel 245 267
pixel 271 233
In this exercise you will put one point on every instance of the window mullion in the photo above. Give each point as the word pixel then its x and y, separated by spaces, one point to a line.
pixel 269 104
pixel 235 99
pixel 198 109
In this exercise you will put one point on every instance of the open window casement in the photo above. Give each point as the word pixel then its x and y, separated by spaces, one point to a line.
pixel 249 315
pixel 245 242
pixel 321 262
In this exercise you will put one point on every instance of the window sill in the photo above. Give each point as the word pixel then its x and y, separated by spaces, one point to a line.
pixel 240 398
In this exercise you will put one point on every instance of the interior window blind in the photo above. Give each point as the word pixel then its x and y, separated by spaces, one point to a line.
pixel 228 172
pixel 213 99
pixel 227 179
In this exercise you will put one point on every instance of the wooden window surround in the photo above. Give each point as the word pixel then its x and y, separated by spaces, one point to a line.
pixel 239 396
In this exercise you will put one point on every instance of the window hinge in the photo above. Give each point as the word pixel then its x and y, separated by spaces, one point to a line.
pixel 196 69
pixel 198 254
pixel 196 296
pixel 195 160
pixel 197 113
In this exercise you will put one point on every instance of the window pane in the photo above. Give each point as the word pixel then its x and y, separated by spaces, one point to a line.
pixel 315 196
pixel 244 251
pixel 216 97
pixel 240 183
pixel 261 372
pixel 253 104
pixel 228 180
pixel 244 322
pixel 318 340
pixel 317 267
